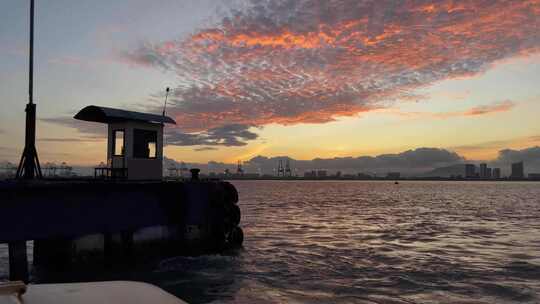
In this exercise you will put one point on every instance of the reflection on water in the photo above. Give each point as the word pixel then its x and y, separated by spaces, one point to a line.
pixel 369 242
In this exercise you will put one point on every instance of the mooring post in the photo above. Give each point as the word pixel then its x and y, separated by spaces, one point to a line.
pixel 18 261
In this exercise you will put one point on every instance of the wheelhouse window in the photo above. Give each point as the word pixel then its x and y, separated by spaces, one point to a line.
pixel 152 149
pixel 144 143
pixel 118 142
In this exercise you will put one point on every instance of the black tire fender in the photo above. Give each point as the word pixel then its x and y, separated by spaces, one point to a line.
pixel 231 194
pixel 236 237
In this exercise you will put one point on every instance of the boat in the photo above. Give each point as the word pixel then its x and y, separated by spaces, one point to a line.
pixel 113 292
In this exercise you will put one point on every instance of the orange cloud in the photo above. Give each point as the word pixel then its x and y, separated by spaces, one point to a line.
pixel 496 107
pixel 308 61
pixel 504 106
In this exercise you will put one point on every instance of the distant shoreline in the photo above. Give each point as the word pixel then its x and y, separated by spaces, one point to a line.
pixel 378 179
pixel 329 178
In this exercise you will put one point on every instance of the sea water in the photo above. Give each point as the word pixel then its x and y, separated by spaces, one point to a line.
pixel 368 242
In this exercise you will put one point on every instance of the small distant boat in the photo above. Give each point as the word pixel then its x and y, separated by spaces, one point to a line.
pixel 117 292
pixel 396 183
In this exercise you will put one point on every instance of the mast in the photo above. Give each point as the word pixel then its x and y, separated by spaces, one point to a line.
pixel 165 103
pixel 29 167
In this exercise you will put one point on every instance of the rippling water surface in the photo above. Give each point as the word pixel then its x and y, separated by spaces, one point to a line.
pixel 370 242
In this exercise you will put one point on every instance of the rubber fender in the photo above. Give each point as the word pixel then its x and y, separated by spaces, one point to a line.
pixel 218 238
pixel 231 194
pixel 235 214
pixel 217 194
pixel 231 217
pixel 236 237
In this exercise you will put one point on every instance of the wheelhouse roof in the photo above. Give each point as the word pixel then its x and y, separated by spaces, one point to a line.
pixel 110 115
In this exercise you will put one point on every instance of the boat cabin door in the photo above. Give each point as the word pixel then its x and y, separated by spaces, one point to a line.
pixel 117 157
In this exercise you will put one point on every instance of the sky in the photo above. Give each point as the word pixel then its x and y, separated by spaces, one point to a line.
pixel 305 79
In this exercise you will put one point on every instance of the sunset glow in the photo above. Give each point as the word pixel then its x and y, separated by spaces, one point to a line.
pixel 304 79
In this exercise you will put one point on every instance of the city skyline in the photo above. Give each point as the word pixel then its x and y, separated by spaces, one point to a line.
pixel 412 163
pixel 306 80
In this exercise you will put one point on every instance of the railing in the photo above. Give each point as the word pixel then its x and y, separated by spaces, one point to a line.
pixel 110 173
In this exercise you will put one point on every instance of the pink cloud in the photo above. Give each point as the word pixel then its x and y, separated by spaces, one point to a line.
pixel 496 107
pixel 309 61
pixel 504 106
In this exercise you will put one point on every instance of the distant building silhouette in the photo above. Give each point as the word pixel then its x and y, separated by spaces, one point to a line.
pixel 489 172
pixel 310 174
pixel 364 176
pixel 239 169
pixel 470 171
pixel 496 173
pixel 518 171
pixel 393 175
pixel 483 171
pixel 54 170
pixel 183 169
pixel 321 173
pixel 8 170
pixel 288 171
pixel 281 169
pixel 534 176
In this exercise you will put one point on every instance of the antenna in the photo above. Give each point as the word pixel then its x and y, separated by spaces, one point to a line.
pixel 163 124
pixel 29 165
pixel 165 103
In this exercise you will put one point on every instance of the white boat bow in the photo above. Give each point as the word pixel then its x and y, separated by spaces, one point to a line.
pixel 114 292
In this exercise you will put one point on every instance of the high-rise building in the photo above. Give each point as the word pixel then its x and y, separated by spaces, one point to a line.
pixel 310 174
pixel 321 173
pixel 483 170
pixel 489 172
pixel 534 176
pixel 496 173
pixel 518 171
pixel 470 171
pixel 393 175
